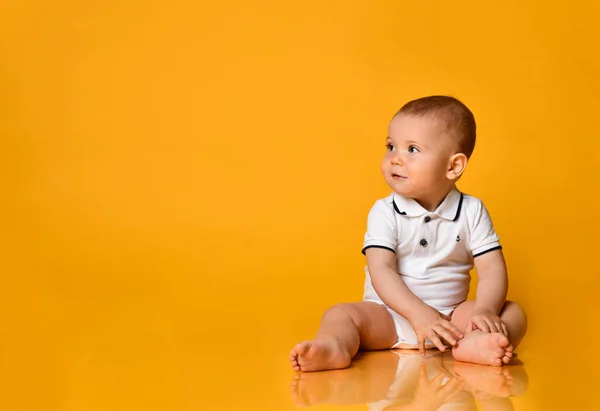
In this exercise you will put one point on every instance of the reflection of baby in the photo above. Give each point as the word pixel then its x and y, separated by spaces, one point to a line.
pixel 489 385
pixel 401 380
pixel 422 384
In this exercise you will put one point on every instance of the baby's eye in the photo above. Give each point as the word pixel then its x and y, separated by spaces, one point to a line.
pixel 390 147
pixel 413 149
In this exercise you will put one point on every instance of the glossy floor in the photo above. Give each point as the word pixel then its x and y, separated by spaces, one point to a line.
pixel 401 380
pixel 130 363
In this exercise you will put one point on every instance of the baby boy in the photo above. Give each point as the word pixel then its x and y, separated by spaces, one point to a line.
pixel 421 243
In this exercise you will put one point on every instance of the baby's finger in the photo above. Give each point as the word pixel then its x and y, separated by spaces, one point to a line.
pixel 446 335
pixel 433 337
pixel 492 325
pixel 482 325
pixel 498 325
pixel 421 344
pixel 505 329
pixel 453 329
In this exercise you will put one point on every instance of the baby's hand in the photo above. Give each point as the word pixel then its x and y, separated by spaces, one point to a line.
pixel 486 321
pixel 430 323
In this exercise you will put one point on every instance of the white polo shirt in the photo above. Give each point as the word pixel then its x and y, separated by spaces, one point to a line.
pixel 434 250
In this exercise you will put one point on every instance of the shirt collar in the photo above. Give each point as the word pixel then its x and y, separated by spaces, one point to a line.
pixel 449 209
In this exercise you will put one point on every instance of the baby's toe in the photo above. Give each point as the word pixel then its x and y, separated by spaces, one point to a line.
pixel 501 340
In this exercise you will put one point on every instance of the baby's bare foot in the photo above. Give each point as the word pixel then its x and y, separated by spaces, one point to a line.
pixel 483 348
pixel 319 354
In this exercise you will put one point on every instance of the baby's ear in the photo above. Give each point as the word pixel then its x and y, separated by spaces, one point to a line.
pixel 457 165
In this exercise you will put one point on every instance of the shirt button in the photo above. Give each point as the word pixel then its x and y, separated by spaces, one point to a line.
pixel 423 243
pixel 427 219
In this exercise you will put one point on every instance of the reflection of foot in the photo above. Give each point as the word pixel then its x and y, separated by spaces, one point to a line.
pixel 309 389
pixel 483 348
pixel 484 382
pixel 314 396
pixel 319 354
pixel 367 379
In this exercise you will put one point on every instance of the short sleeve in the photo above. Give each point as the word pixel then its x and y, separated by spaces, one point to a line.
pixel 381 228
pixel 483 236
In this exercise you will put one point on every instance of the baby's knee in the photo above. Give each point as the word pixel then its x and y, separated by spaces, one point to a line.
pixel 344 309
pixel 340 310
pixel 515 311
pixel 347 312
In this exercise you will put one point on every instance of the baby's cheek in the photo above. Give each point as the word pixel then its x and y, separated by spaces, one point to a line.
pixel 384 166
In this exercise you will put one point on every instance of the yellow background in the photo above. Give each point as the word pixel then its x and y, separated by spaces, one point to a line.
pixel 185 185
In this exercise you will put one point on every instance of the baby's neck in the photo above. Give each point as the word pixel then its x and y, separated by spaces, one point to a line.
pixel 432 202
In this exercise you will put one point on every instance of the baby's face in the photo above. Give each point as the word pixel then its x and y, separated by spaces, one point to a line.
pixel 417 157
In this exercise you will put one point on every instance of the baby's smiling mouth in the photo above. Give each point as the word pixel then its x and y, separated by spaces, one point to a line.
pixel 398 177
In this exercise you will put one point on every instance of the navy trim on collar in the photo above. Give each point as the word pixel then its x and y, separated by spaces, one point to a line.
pixel 459 207
pixel 456 217
pixel 396 208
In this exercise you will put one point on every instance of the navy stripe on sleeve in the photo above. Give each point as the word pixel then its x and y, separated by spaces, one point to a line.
pixel 377 246
pixel 487 251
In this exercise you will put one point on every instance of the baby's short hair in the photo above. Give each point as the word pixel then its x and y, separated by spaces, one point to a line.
pixel 459 120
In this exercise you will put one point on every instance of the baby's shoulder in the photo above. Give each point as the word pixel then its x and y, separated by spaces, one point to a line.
pixel 383 208
pixel 470 202
pixel 384 204
pixel 472 207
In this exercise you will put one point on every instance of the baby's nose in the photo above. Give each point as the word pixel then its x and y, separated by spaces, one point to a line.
pixel 397 160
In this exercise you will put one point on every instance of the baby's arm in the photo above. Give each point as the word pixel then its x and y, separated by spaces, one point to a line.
pixel 426 321
pixel 491 292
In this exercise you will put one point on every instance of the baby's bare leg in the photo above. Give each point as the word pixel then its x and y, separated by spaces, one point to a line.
pixel 489 348
pixel 344 329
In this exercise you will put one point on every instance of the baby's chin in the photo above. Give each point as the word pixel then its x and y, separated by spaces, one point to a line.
pixel 400 186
